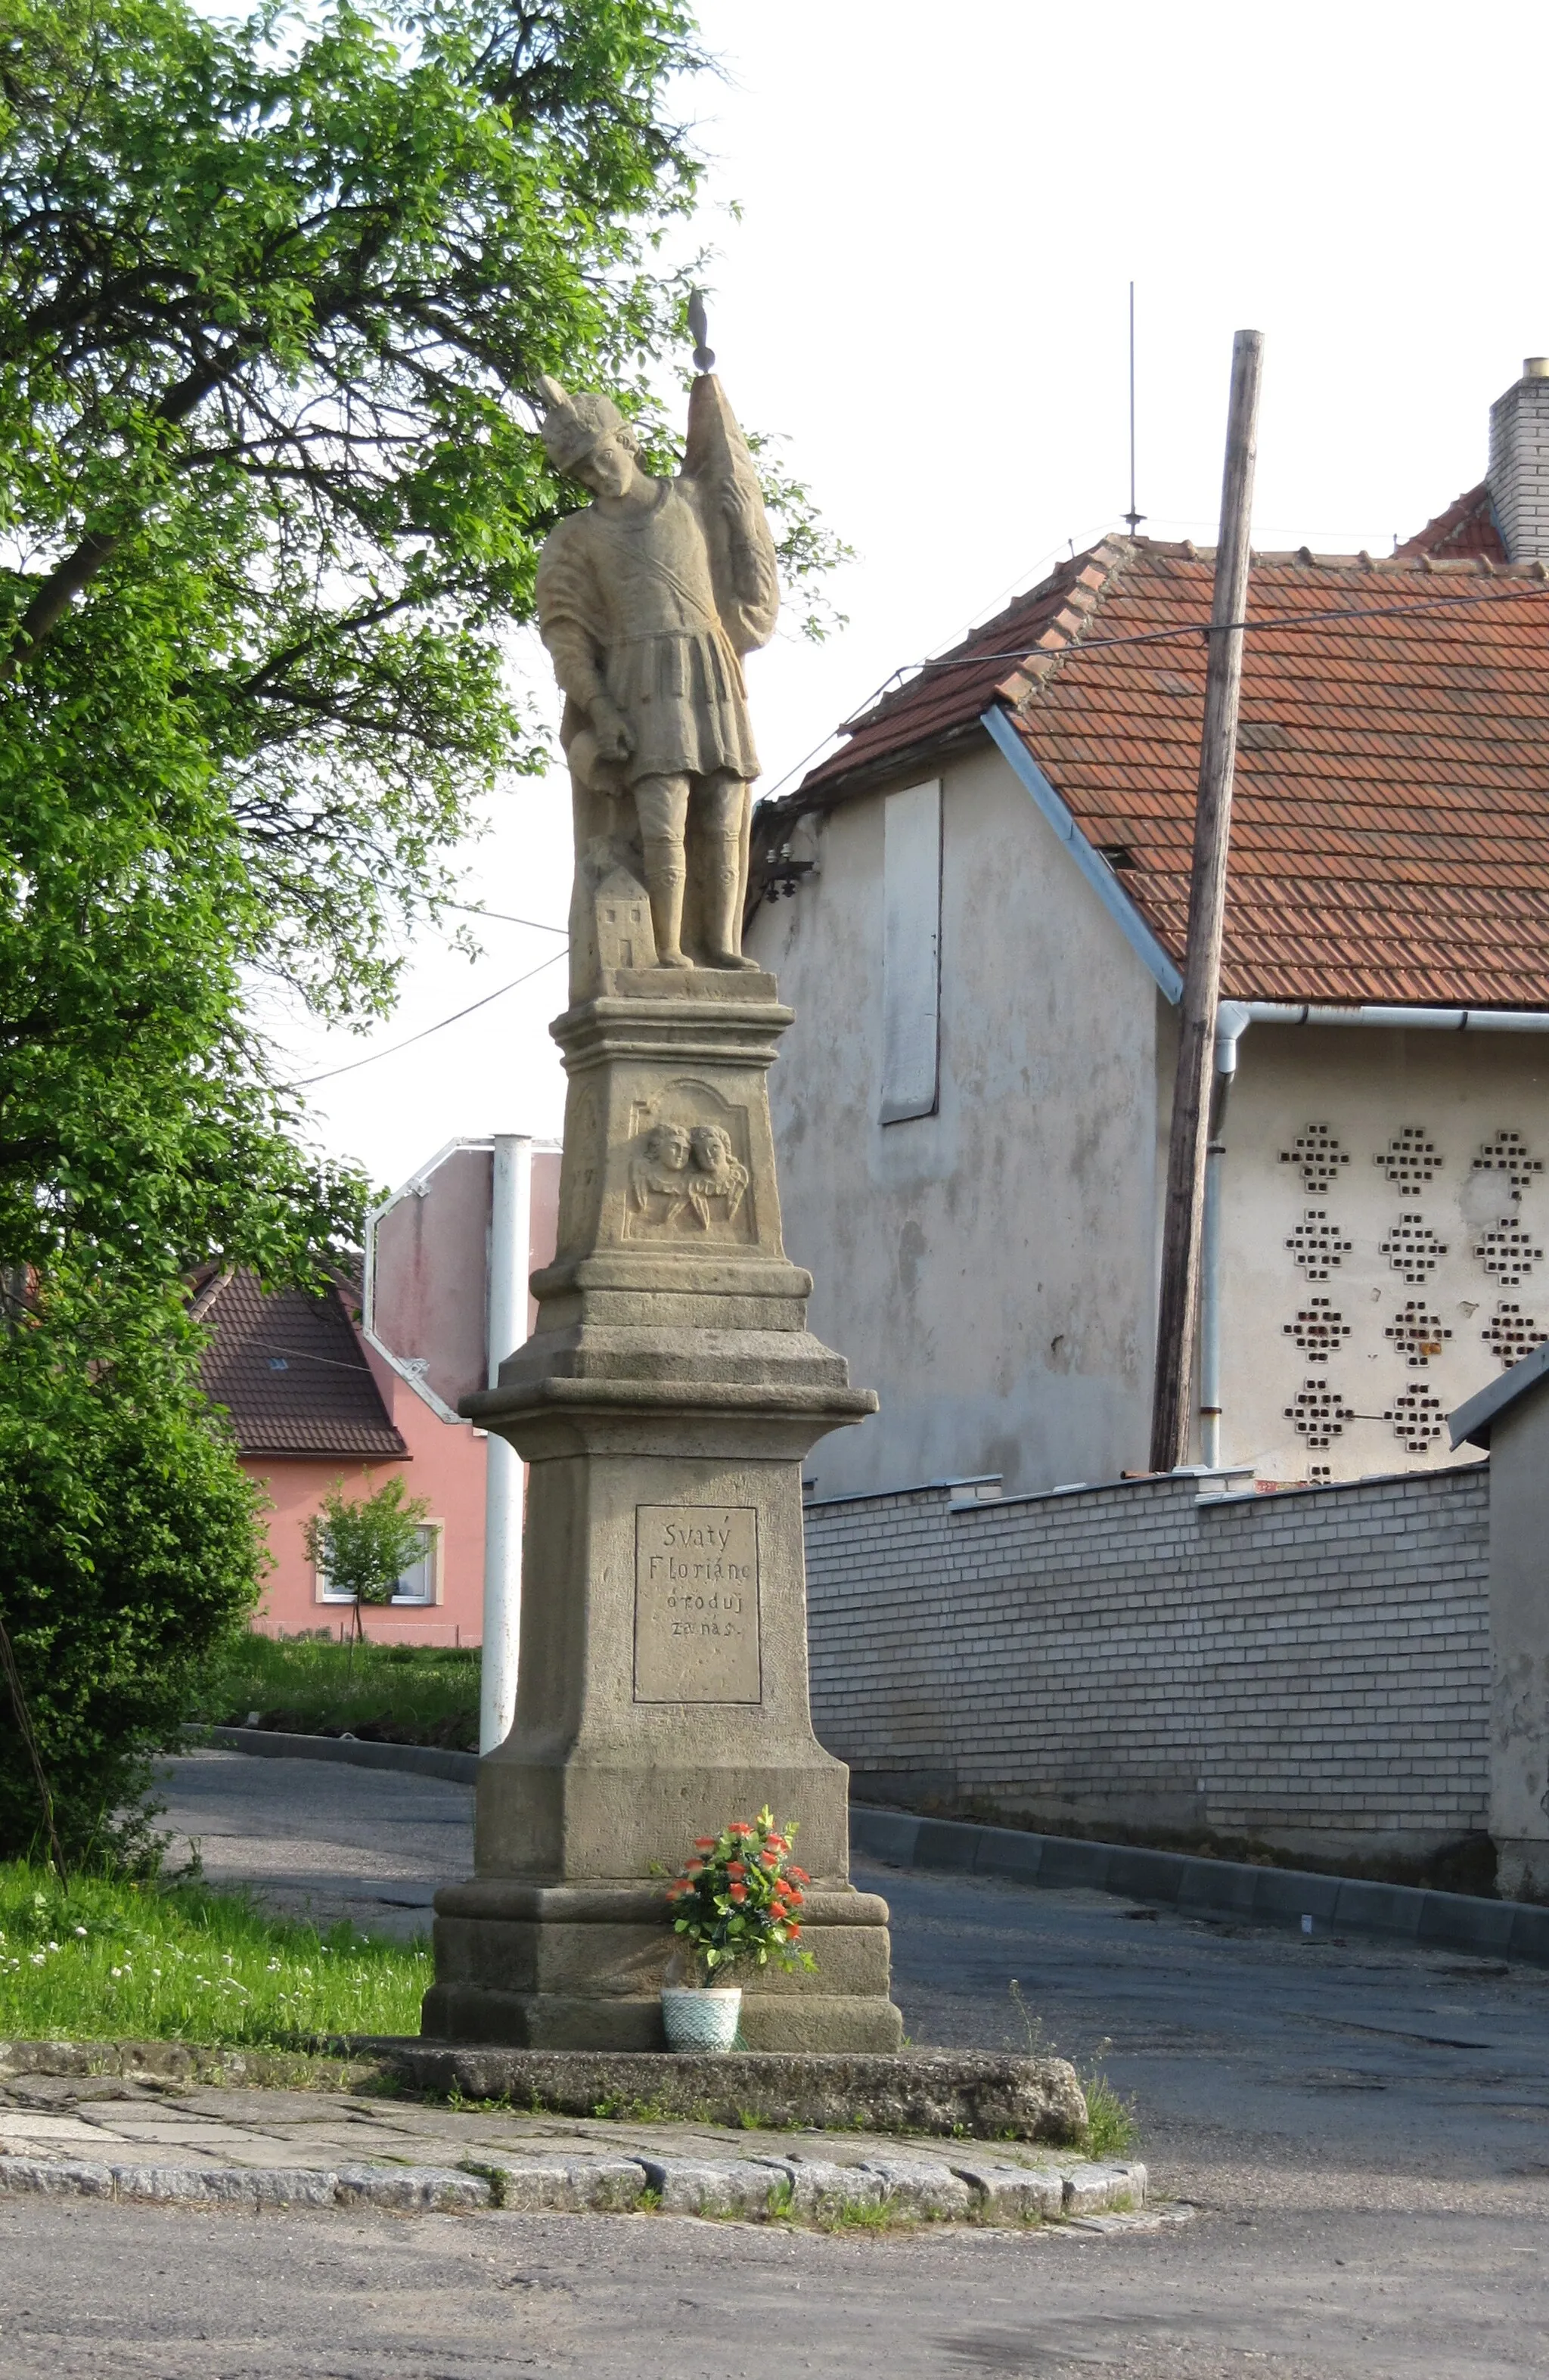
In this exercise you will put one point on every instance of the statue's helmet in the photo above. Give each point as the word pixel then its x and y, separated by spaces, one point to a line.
pixel 573 425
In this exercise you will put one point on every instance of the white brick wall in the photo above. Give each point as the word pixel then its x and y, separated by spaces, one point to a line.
pixel 1306 1668
pixel 1519 468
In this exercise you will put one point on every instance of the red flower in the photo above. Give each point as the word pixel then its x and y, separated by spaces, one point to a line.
pixel 739 1827
pixel 704 1843
pixel 695 1867
pixel 768 1860
pixel 734 1868
pixel 739 1893
pixel 793 1933
pixel 776 1843
pixel 799 1874
pixel 797 1897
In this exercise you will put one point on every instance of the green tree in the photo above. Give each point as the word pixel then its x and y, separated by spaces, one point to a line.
pixel 363 1543
pixel 130 1544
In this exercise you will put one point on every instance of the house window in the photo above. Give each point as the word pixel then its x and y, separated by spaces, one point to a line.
pixel 418 1584
pixel 911 952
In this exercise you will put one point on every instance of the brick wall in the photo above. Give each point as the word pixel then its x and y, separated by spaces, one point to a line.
pixel 1310 1668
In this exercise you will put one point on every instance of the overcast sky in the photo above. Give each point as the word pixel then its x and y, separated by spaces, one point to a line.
pixel 926 293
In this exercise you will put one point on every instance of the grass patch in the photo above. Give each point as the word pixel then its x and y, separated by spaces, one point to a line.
pixel 1112 2129
pixel 116 1961
pixel 312 1686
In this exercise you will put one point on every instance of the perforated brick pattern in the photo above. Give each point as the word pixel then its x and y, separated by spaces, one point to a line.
pixel 1417 1417
pixel 1411 1158
pixel 1317 1245
pixel 1318 1412
pixel 1509 1252
pixel 1508 1154
pixel 1412 1248
pixel 1318 1156
pixel 1512 1333
pixel 1318 1328
pixel 1417 1333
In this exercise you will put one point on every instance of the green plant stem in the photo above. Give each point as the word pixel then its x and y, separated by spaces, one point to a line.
pixel 24 1729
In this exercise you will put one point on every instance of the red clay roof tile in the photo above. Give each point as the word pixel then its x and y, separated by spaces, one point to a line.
pixel 1390 837
pixel 289 1370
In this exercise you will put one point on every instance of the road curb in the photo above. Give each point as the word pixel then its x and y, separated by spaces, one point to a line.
pixel 1275 1896
pixel 757 2189
pixel 414 1759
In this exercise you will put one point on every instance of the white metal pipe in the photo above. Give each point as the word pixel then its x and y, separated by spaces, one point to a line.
pixel 510 1235
pixel 1232 1019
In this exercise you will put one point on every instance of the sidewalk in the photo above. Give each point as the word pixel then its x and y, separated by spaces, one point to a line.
pixel 249 2149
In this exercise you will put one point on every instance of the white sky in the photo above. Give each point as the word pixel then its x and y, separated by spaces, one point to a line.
pixel 926 293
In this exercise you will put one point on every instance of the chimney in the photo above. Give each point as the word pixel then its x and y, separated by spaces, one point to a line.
pixel 1519 476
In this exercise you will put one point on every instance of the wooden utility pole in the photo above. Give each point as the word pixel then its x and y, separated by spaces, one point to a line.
pixel 1170 1415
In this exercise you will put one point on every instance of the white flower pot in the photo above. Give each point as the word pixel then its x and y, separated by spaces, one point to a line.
pixel 701 2020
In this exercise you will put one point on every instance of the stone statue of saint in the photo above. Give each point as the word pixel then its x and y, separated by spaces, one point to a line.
pixel 647 601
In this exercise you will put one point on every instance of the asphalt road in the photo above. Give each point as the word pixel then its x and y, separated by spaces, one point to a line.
pixel 1365 2129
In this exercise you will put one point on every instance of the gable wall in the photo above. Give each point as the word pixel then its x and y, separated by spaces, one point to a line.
pixel 987 1269
pixel 1368 1086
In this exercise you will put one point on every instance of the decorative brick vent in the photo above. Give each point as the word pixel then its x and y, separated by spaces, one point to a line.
pixel 1316 1244
pixel 1414 1249
pixel 1508 1154
pixel 1318 1154
pixel 1509 1252
pixel 1512 1333
pixel 1417 1417
pixel 1417 1333
pixel 1318 1329
pixel 1411 1158
pixel 1318 1412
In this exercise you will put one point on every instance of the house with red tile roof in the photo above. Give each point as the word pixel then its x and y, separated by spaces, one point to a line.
pixel 977 907
pixel 320 1396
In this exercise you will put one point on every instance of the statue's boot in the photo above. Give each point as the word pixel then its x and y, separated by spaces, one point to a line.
pixel 723 900
pixel 665 875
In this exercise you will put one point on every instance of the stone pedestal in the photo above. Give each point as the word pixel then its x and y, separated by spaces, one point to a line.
pixel 664 1404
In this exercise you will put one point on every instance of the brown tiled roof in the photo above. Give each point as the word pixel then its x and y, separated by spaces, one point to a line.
pixel 1390 834
pixel 1468 527
pixel 289 1370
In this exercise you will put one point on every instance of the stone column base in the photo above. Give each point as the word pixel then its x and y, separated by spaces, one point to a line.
pixel 1522 1868
pixel 580 1967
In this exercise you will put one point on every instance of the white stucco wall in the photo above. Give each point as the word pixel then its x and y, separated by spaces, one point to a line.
pixel 1368 1086
pixel 989 1268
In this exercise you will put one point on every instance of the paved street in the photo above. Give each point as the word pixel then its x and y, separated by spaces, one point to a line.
pixel 1366 2130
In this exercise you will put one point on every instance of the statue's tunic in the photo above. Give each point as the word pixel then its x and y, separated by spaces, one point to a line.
pixel 637 589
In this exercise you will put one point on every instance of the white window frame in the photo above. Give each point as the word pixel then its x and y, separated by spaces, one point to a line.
pixel 432 1532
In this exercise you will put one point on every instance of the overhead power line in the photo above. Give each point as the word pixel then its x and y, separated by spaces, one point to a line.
pixel 330 1073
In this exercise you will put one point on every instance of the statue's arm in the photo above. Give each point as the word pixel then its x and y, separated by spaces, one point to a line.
pixel 564 599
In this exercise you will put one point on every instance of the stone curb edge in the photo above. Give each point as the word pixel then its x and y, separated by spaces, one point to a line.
pixel 415 1759
pixel 751 2189
pixel 1451 1921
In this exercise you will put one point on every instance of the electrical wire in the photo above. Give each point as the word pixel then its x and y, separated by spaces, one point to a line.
pixel 371 1056
pixel 503 917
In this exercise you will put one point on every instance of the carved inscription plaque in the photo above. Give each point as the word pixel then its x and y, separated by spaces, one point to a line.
pixel 697 1604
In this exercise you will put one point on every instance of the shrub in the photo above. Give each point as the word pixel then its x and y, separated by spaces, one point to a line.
pixel 364 1545
pixel 129 1546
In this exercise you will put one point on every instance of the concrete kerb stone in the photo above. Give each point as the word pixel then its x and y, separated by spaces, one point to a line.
pixel 1456 1921
pixel 802 2190
pixel 414 1759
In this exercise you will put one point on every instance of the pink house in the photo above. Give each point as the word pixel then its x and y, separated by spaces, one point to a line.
pixel 313 1403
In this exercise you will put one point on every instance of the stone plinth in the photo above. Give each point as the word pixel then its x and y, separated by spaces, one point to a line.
pixel 665 1403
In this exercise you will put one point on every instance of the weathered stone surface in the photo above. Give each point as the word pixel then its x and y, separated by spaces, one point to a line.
pixel 412 2189
pixel 819 2188
pixel 915 2187
pixel 1103 2188
pixel 1012 2193
pixel 694 2186
pixel 936 2092
pixel 70 2178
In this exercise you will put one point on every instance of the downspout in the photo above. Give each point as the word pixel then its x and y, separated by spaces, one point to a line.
pixel 1232 1019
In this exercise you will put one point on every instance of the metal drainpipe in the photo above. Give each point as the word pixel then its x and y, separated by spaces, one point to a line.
pixel 1232 1019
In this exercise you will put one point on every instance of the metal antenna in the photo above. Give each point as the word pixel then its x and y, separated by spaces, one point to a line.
pixel 1132 516
pixel 704 354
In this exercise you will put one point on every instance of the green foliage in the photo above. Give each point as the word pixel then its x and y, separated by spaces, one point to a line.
pixel 364 1543
pixel 738 1898
pixel 119 1961
pixel 1112 2127
pixel 129 1546
pixel 315 1685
